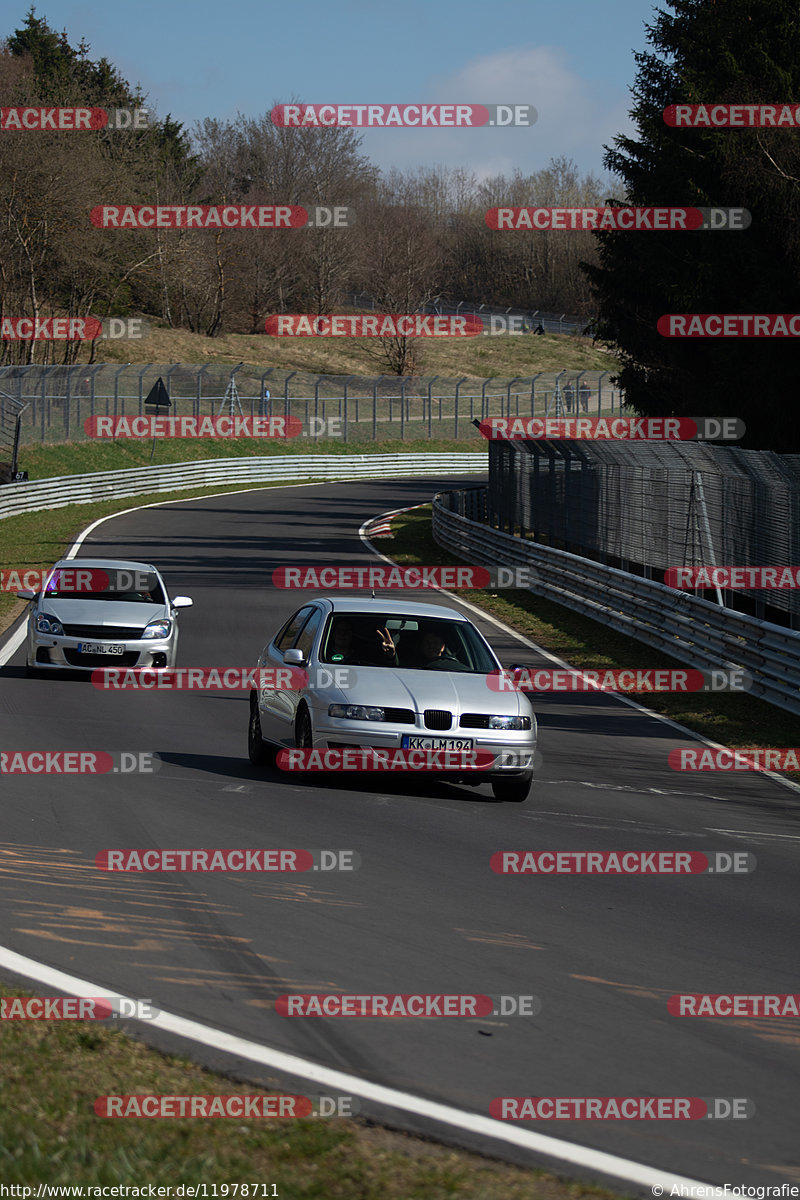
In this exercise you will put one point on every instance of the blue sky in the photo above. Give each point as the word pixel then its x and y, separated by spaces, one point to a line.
pixel 571 59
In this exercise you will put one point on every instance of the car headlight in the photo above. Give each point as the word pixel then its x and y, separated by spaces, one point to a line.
pixel 509 722
pixel 158 629
pixel 45 624
pixel 356 712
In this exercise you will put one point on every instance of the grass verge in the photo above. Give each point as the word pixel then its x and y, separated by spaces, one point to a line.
pixel 732 718
pixel 52 1072
pixel 78 458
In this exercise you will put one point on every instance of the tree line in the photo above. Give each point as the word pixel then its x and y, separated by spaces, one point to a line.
pixel 417 234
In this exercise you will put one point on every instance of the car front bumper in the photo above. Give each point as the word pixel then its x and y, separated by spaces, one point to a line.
pixel 51 653
pixel 513 750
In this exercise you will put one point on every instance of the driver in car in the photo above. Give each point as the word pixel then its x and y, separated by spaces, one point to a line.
pixel 435 655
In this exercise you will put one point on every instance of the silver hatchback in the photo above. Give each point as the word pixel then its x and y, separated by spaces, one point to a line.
pixel 102 612
pixel 419 677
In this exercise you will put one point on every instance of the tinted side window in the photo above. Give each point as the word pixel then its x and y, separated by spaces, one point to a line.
pixel 309 632
pixel 285 638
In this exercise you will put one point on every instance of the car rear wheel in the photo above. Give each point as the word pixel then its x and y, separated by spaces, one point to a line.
pixel 513 790
pixel 257 750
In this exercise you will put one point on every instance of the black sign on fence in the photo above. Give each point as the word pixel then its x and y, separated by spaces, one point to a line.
pixel 158 396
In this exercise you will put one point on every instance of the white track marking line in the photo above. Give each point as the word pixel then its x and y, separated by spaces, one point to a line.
pixel 217 1039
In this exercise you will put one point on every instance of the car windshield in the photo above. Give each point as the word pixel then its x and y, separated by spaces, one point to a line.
pixel 416 643
pixel 127 587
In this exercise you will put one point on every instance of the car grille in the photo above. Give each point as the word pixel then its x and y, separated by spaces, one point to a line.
pixel 400 716
pixel 438 718
pixel 76 659
pixel 474 721
pixel 104 633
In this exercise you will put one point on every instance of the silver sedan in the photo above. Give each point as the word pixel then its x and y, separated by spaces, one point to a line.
pixel 419 678
pixel 102 612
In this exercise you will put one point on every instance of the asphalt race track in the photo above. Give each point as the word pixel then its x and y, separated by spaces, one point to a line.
pixel 424 913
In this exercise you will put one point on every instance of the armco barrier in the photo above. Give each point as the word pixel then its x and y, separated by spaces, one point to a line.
pixel 695 631
pixel 62 490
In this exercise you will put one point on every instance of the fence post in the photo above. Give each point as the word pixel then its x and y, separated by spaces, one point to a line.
pixel 458 385
pixel 430 406
pixel 402 408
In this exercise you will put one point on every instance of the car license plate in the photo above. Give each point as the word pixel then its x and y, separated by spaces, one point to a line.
pixel 100 648
pixel 413 741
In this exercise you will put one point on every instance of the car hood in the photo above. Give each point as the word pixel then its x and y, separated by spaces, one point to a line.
pixel 455 691
pixel 104 612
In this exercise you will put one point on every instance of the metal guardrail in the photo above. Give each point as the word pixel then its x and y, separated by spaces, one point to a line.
pixel 62 490
pixel 695 631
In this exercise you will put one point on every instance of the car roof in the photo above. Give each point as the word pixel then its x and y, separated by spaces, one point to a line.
pixel 394 602
pixel 115 564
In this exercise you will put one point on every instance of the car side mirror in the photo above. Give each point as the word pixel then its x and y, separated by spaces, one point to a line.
pixel 294 658
pixel 27 594
pixel 182 602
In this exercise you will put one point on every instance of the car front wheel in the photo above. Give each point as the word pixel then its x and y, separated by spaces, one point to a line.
pixel 303 735
pixel 513 790
pixel 257 750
